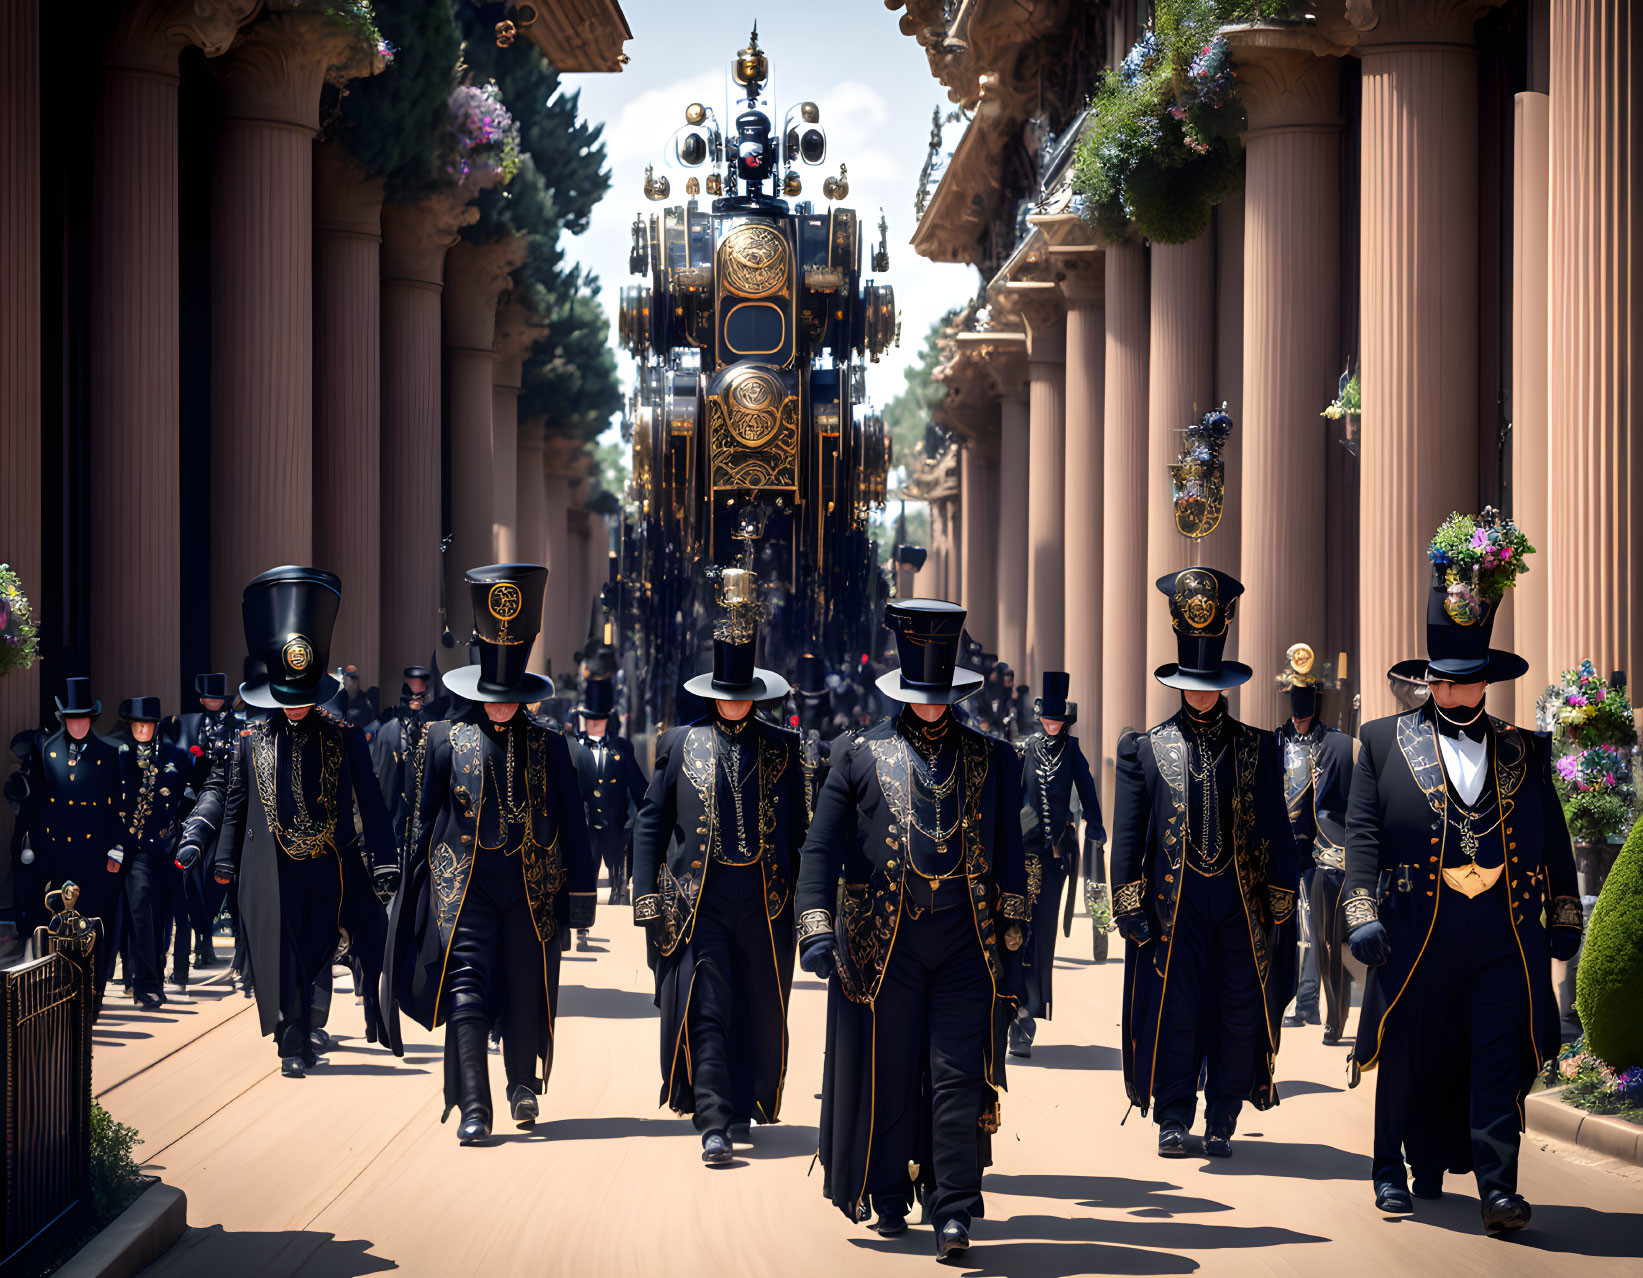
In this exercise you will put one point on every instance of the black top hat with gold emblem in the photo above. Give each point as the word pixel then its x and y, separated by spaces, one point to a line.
pixel 927 636
pixel 289 613
pixel 1457 640
pixel 507 603
pixel 1202 602
pixel 1304 678
pixel 736 676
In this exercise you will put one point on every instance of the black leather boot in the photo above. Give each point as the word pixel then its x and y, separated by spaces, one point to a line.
pixel 473 1079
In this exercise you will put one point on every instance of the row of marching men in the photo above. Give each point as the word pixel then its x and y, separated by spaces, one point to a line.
pixel 915 883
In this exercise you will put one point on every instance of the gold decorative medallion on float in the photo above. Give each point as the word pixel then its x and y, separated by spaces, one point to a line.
pixel 754 261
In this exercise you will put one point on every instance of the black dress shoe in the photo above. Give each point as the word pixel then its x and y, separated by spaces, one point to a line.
pixel 522 1105
pixel 475 1128
pixel 149 1002
pixel 1428 1186
pixel 890 1226
pixel 716 1148
pixel 318 1041
pixel 1172 1141
pixel 1294 1021
pixel 179 979
pixel 952 1239
pixel 1218 1144
pixel 740 1133
pixel 1503 1213
pixel 1332 1035
pixel 581 939
pixel 293 1066
pixel 1394 1200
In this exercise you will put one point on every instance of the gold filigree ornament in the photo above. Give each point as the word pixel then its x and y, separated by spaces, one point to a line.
pixel 504 601
pixel 754 258
pixel 753 404
pixel 1195 598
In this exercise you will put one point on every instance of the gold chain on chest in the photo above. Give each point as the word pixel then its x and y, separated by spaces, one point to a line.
pixel 305 835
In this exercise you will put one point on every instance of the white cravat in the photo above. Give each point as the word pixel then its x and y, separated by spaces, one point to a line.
pixel 1464 761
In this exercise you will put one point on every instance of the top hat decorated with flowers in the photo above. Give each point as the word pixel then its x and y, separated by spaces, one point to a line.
pixel 1475 559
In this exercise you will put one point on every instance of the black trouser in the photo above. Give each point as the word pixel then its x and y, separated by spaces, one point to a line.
pixel 933 1014
pixel 1465 1008
pixel 1324 886
pixel 148 885
pixel 1213 1009
pixel 733 976
pixel 1306 988
pixel 310 894
pixel 497 967
pixel 610 846
pixel 1038 957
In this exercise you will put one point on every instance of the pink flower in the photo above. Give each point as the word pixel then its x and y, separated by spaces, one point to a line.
pixel 1567 767
pixel 1608 778
pixel 1480 539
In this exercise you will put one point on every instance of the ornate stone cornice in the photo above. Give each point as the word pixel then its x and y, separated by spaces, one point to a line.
pixel 275 70
pixel 1365 26
pixel 1288 76
pixel 148 34
pixel 476 275
pixel 581 35
pixel 416 236
pixel 1003 352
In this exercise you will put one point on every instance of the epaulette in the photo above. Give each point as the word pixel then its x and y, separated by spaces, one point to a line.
pixel 331 716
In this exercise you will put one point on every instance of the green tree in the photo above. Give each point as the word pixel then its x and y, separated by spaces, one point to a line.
pixel 908 414
pixel 1611 963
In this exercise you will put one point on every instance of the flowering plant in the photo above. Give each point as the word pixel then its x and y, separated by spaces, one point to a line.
pixel 481 139
pixel 19 640
pixel 1597 792
pixel 1589 711
pixel 1591 1085
pixel 1348 400
pixel 1480 557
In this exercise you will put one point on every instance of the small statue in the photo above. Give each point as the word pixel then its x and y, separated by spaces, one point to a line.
pixel 69 933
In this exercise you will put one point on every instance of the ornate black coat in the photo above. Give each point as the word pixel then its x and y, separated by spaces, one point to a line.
pixel 1397 832
pixel 613 784
pixel 1317 780
pixel 399 754
pixel 459 812
pixel 674 835
pixel 853 872
pixel 1049 823
pixel 154 794
pixel 243 808
pixel 1149 832
pixel 68 806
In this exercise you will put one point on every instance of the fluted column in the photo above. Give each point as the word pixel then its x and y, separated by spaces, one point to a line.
pixel 262 304
pixel 1531 366
pixel 558 468
pixel 1012 529
pixel 347 402
pixel 475 276
pixel 515 335
pixel 1127 597
pixel 978 484
pixel 1290 319
pixel 531 510
pixel 1180 382
pixel 1085 493
pixel 1046 318
pixel 1419 342
pixel 1595 402
pixel 20 325
pixel 415 238
pixel 133 397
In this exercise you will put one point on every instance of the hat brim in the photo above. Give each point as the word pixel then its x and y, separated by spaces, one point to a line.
pixel 79 712
pixel 1411 671
pixel 265 696
pixel 1054 709
pixel 1230 675
pixel 1500 667
pixel 893 686
pixel 767 685
pixel 464 682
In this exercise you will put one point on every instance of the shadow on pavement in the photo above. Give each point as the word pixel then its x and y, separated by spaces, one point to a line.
pixel 782 1141
pixel 1290 1158
pixel 1574 1231
pixel 611 1004
pixel 213 1251
pixel 1110 1192
pixel 987 1259
pixel 1305 1087
pixel 1185 1234
pixel 1070 1056
pixel 614 1127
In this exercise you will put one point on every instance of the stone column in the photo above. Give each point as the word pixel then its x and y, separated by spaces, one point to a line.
pixel 515 335
pixel 559 473
pixel 1531 444
pixel 1594 402
pixel 1012 529
pixel 530 506
pixel 262 312
pixel 1084 571
pixel 1046 319
pixel 347 403
pixel 415 238
pixel 978 483
pixel 475 277
pixel 20 325
pixel 1419 342
pixel 1291 344
pixel 133 398
pixel 1180 382
pixel 1127 597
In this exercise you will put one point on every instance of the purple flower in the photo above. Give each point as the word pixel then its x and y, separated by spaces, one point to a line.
pixel 1568 767
pixel 1480 539
pixel 1575 699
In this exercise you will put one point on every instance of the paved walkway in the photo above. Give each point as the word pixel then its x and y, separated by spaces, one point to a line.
pixel 348 1171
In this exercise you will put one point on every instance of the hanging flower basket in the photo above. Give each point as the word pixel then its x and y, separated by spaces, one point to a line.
pixel 19 640
pixel 1347 408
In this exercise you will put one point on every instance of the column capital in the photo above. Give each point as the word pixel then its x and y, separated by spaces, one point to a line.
pixel 416 236
pixel 347 199
pixel 476 275
pixel 517 332
pixel 1081 270
pixel 1004 352
pixel 148 35
pixel 1043 310
pixel 1288 78
pixel 275 71
pixel 1370 26
pixel 559 453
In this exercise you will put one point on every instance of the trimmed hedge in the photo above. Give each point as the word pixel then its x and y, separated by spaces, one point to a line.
pixel 1609 984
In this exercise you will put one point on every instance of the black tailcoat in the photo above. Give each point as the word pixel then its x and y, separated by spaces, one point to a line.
pixel 851 882
pixel 674 836
pixel 154 793
pixel 399 755
pixel 460 820
pixel 1149 832
pixel 208 737
pixel 245 809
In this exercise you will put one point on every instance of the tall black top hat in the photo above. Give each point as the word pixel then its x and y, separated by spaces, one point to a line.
pixel 735 676
pixel 1201 606
pixel 141 709
pixel 812 676
pixel 1458 649
pixel 289 613
pixel 77 699
pixel 598 698
pixel 211 685
pixel 507 606
pixel 1053 704
pixel 927 635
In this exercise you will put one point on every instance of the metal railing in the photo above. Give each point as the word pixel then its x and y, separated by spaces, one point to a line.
pixel 45 1056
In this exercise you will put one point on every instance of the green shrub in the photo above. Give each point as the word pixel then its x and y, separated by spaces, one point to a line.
pixel 115 1176
pixel 1609 984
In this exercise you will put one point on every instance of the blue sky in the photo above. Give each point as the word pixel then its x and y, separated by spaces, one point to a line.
pixel 875 92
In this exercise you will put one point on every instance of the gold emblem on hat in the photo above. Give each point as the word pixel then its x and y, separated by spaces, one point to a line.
pixel 504 601
pixel 298 654
pixel 1195 596
pixel 1301 658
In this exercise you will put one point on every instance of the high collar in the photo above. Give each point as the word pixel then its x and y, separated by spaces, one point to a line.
pixel 1212 724
pixel 734 729
pixel 929 735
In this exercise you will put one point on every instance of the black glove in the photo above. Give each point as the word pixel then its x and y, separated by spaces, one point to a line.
pixel 1133 926
pixel 187 854
pixel 816 955
pixel 1370 944
pixel 385 878
pixel 1563 942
